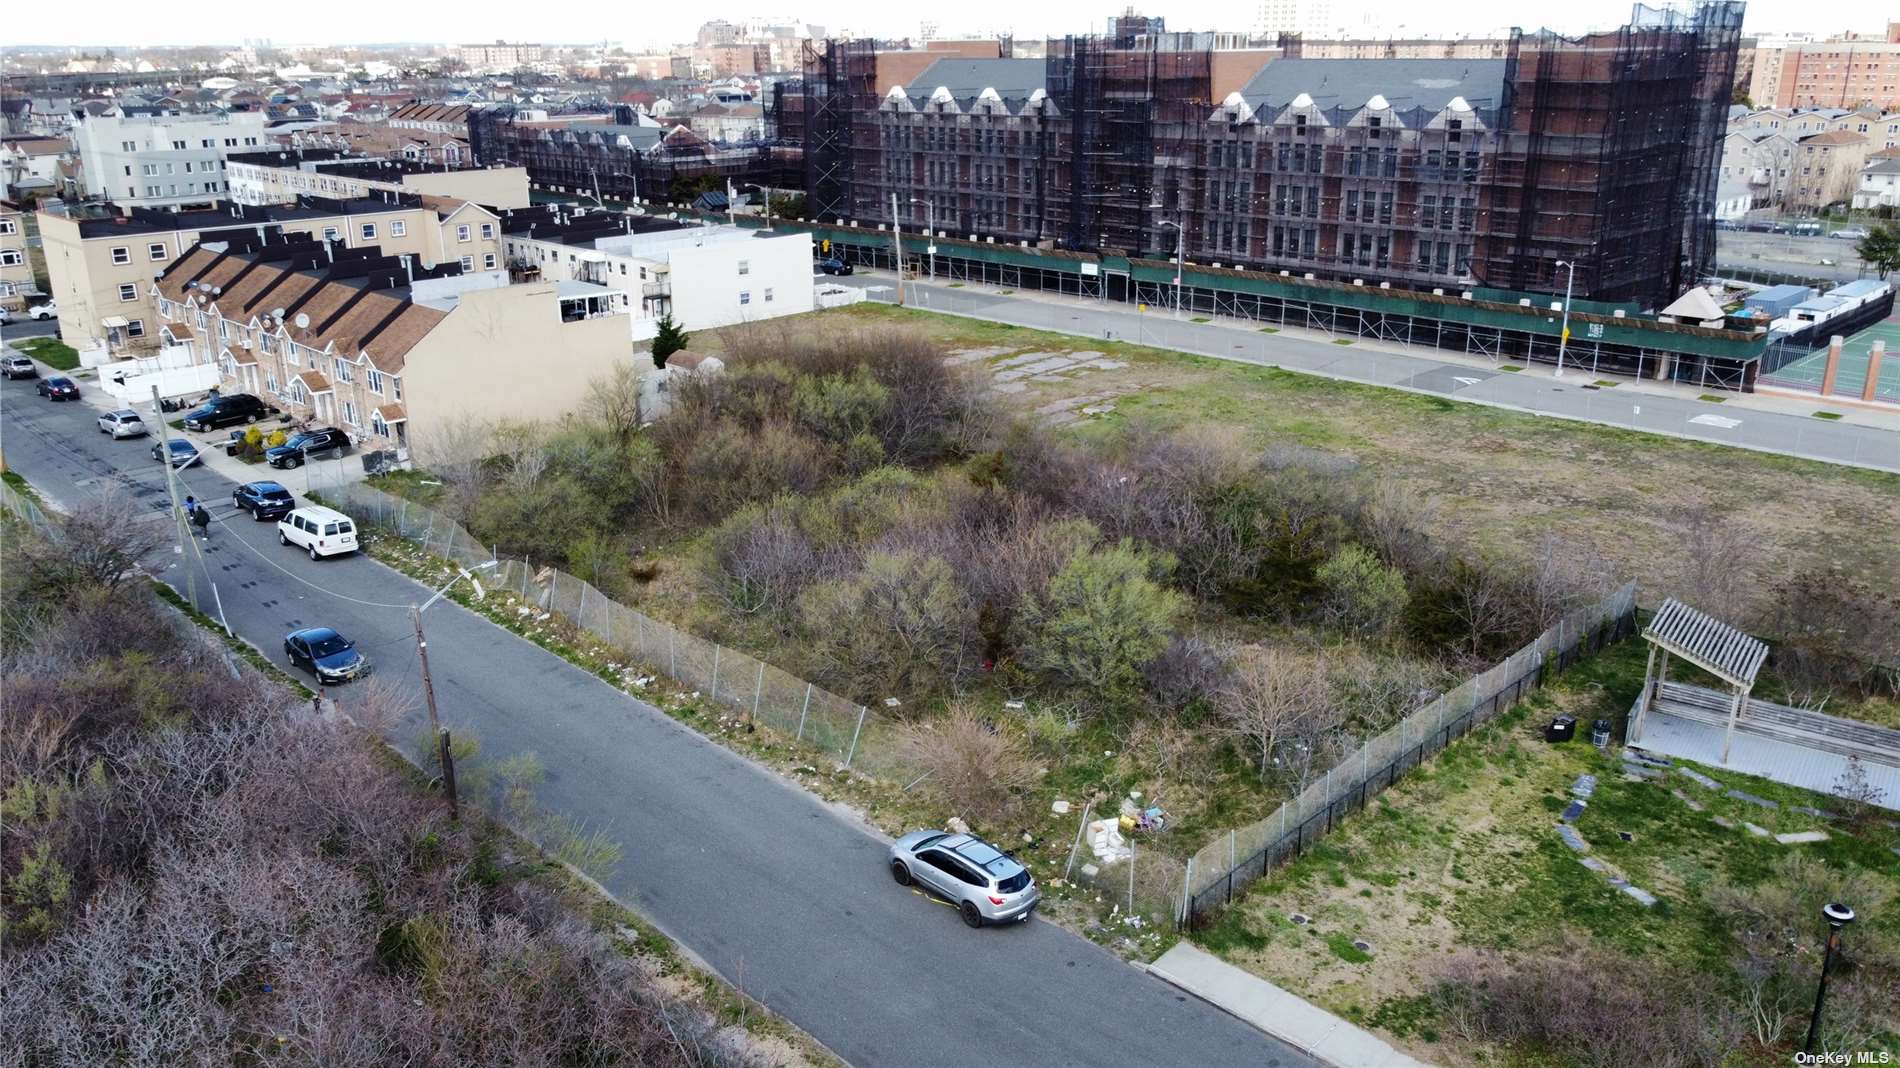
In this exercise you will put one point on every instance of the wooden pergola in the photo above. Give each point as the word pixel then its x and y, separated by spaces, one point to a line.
pixel 1708 643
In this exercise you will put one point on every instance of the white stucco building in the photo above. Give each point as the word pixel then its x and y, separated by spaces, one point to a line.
pixel 168 161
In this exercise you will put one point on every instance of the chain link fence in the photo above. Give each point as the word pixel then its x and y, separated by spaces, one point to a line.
pixel 1225 866
pixel 843 730
pixel 28 511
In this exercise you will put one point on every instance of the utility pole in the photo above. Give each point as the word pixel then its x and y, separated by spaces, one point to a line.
pixel 171 487
pixel 1563 338
pixel 897 248
pixel 440 736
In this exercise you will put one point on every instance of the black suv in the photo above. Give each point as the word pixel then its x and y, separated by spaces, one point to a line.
pixel 224 411
pixel 264 500
pixel 294 452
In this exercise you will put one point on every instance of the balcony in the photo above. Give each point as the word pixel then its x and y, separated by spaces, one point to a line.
pixel 657 290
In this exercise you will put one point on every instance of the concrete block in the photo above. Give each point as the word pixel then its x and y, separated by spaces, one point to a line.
pixel 1743 795
pixel 1799 837
pixel 1698 778
pixel 1641 896
pixel 1759 832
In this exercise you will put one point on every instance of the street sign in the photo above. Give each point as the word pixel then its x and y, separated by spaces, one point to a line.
pixel 1091 270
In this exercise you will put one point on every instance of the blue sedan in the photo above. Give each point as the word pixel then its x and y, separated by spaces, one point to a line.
pixel 324 653
pixel 182 451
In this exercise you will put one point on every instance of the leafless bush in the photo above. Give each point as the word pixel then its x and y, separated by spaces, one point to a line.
pixel 976 766
pixel 763 561
pixel 457 450
pixel 1374 690
pixel 613 400
pixel 1721 556
pixel 892 628
pixel 1188 671
pixel 1834 633
pixel 1277 700
pixel 1563 574
pixel 1589 1006
pixel 99 544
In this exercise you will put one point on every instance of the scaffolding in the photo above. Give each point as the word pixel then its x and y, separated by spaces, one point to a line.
pixel 840 92
pixel 1609 156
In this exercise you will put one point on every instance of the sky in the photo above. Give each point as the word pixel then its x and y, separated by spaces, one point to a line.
pixel 364 21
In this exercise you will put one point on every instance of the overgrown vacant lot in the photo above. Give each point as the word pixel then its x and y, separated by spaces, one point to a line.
pixel 1488 937
pixel 1497 477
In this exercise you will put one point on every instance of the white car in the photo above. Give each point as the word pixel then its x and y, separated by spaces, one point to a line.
pixel 124 423
pixel 1850 233
pixel 48 310
pixel 319 531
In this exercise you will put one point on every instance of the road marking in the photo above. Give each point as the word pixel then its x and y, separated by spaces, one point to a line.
pixel 1722 421
pixel 1463 381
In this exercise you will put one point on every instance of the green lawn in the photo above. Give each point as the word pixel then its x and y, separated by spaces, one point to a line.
pixel 1463 853
pixel 50 351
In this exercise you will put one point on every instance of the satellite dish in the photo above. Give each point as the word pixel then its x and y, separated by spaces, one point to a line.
pixel 277 314
pixel 303 321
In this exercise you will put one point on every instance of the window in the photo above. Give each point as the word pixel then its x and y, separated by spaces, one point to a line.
pixel 349 413
pixel 376 382
pixel 461 233
pixel 745 267
pixel 121 254
pixel 488 231
pixel 135 328
pixel 768 295
pixel 398 228
pixel 128 291
pixel 745 296
pixel 330 233
pixel 488 261
pixel 468 263
pixel 395 384
pixel 11 257
pixel 156 250
pixel 369 231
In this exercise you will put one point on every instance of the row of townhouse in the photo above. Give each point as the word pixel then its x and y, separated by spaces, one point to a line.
pixel 370 341
pixel 100 269
pixel 1800 171
pixel 281 176
pixel 16 271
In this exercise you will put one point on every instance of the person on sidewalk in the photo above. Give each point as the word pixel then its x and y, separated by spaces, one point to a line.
pixel 191 506
pixel 201 518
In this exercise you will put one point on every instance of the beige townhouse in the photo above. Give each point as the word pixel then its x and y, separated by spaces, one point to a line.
pixel 377 344
pixel 101 269
pixel 16 269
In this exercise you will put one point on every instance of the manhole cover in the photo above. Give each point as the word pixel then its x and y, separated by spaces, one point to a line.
pixel 1362 945
pixel 1626 836
pixel 1300 919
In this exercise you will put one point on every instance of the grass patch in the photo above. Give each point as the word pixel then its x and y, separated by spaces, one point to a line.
pixel 50 351
pixel 1200 319
pixel 1510 367
pixel 1830 416
pixel 1342 341
pixel 1712 398
pixel 1605 383
pixel 955 285
pixel 1269 329
pixel 1005 292
pixel 22 487
pixel 1342 947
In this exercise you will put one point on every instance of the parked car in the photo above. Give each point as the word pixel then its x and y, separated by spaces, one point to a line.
pixel 319 531
pixel 264 500
pixel 834 265
pixel 42 312
pixel 182 451
pixel 324 653
pixel 20 367
pixel 58 388
pixel 294 452
pixel 124 423
pixel 224 411
pixel 984 884
pixel 1807 229
pixel 1850 233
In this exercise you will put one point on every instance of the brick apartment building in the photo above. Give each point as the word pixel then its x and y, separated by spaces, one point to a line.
pixel 1600 151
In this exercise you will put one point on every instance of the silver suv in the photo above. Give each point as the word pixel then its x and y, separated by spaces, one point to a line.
pixel 975 876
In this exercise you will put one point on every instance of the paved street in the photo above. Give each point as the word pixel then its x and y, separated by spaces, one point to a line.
pixel 1769 425
pixel 778 891
pixel 1787 254
pixel 25 328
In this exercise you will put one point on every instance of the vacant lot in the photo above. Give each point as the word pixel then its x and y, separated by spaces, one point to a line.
pixel 1498 478
pixel 1464 856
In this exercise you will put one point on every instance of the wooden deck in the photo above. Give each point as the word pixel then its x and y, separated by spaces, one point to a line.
pixel 1795 726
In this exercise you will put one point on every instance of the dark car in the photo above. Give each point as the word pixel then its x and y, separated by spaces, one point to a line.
pixel 182 451
pixel 58 388
pixel 294 452
pixel 224 411
pixel 264 500
pixel 834 265
pixel 324 653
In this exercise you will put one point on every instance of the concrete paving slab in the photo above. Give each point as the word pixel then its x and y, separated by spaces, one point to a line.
pixel 1699 779
pixel 1800 837
pixel 1642 896
pixel 1291 1019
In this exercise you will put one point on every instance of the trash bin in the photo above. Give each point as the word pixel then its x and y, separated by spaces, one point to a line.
pixel 1600 734
pixel 1561 729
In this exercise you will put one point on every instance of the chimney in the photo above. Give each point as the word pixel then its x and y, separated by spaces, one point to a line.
pixel 408 272
pixel 329 251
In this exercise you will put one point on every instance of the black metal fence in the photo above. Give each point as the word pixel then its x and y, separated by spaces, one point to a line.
pixel 1228 864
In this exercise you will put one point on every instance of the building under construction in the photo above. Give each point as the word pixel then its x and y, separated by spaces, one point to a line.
pixel 608 156
pixel 1424 169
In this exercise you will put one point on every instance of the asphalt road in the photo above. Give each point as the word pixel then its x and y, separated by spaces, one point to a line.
pixel 1787 254
pixel 24 328
pixel 778 891
pixel 1418 370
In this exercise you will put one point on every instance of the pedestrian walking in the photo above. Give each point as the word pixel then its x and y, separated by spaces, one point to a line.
pixel 201 517
pixel 191 505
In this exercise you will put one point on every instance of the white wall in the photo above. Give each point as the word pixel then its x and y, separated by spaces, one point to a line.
pixel 704 271
pixel 101 142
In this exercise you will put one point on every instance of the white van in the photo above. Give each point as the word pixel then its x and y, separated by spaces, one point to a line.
pixel 321 531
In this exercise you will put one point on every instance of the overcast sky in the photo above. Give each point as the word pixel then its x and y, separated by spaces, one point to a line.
pixel 360 21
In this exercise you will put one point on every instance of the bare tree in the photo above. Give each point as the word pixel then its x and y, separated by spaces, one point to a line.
pixel 458 451
pixel 1720 559
pixel 975 764
pixel 613 399
pixel 1275 697
pixel 100 544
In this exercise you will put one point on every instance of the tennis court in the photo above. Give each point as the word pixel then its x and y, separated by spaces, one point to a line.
pixel 1806 372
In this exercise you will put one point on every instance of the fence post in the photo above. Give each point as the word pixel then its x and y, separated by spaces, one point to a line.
pixel 853 751
pixel 1233 861
pixel 1131 876
pixel 672 654
pixel 583 609
pixel 758 687
pixel 801 714
pixel 1187 882
pixel 715 681
pixel 1077 844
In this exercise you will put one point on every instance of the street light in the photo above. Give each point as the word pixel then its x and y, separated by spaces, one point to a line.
pixel 1563 338
pixel 1180 254
pixel 930 239
pixel 1837 916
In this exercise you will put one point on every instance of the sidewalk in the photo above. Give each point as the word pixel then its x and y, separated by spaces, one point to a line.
pixel 1302 1025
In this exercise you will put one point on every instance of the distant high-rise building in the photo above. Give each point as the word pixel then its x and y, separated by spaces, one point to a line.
pixel 1310 17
